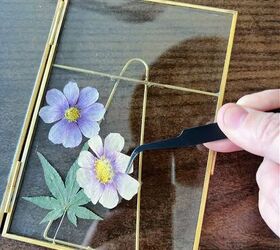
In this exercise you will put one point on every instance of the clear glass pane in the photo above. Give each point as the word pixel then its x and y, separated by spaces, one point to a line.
pixel 183 47
pixel 172 179
pixel 118 119
pixel 24 31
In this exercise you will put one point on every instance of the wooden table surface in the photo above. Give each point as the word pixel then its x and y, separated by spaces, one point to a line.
pixel 232 220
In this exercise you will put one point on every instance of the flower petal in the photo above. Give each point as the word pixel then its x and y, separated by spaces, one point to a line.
pixel 50 114
pixel 57 131
pixel 73 135
pixel 109 198
pixel 94 112
pixel 96 145
pixel 121 162
pixel 114 142
pixel 71 91
pixel 83 177
pixel 55 97
pixel 88 96
pixel 95 192
pixel 126 186
pixel 92 188
pixel 65 132
pixel 89 128
pixel 86 160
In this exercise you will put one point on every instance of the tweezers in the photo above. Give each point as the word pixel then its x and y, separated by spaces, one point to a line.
pixel 188 137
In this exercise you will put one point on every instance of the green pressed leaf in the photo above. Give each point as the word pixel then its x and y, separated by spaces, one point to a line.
pixel 45 202
pixel 81 212
pixel 71 185
pixel 85 213
pixel 85 147
pixel 80 199
pixel 71 216
pixel 53 180
pixel 67 198
pixel 53 215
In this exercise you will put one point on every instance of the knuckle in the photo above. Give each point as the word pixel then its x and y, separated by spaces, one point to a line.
pixel 269 128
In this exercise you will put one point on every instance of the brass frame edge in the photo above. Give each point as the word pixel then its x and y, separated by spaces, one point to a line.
pixel 212 155
pixel 193 6
pixel 226 69
pixel 11 186
pixel 27 119
pixel 136 81
pixel 30 121
pixel 36 242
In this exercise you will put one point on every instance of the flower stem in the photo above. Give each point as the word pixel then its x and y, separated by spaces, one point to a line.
pixel 60 223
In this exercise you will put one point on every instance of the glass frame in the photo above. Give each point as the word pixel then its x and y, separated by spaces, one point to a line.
pixel 37 97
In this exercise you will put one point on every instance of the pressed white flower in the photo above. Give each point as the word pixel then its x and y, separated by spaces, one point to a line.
pixel 102 174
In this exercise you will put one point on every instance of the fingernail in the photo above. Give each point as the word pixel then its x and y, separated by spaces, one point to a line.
pixel 234 116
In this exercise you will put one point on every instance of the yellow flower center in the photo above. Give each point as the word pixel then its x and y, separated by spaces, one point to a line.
pixel 72 114
pixel 103 170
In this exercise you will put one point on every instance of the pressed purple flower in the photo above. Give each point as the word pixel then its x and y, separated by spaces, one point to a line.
pixel 102 175
pixel 76 112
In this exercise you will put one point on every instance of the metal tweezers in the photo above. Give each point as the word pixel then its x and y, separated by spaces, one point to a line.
pixel 188 137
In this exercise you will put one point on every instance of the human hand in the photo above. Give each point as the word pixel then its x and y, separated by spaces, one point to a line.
pixel 249 128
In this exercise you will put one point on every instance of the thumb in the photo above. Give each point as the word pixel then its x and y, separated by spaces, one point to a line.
pixel 254 131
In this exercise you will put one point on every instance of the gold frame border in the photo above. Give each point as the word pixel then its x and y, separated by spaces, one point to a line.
pixel 29 123
pixel 10 184
pixel 212 154
pixel 14 178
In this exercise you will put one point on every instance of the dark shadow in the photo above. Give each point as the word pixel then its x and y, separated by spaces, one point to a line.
pixel 126 11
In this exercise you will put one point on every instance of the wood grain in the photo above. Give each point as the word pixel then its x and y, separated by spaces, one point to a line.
pixel 232 219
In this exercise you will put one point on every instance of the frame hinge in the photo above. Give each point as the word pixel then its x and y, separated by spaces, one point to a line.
pixel 11 187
